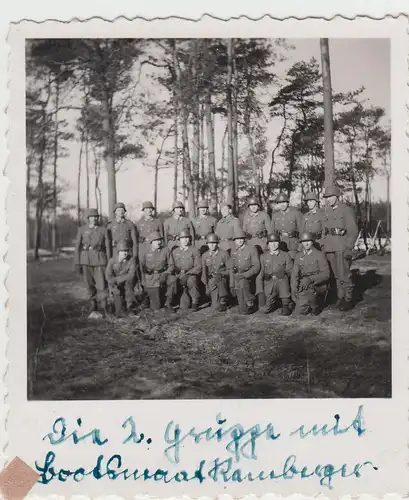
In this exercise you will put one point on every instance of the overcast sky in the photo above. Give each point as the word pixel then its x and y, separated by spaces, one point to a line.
pixel 354 63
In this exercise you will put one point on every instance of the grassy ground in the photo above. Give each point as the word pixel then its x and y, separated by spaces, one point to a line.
pixel 198 355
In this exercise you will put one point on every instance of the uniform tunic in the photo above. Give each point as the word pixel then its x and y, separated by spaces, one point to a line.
pixel 188 261
pixel 215 272
pixel 310 273
pixel 145 226
pixel 246 262
pixel 274 275
pixel 120 276
pixel 314 222
pixel 203 225
pixel 122 231
pixel 225 229
pixel 91 253
pixel 341 233
pixel 157 268
pixel 258 226
pixel 173 226
pixel 288 224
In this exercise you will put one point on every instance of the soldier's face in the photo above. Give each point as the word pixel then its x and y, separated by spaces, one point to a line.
pixel 122 254
pixel 311 204
pixel 332 200
pixel 307 245
pixel 202 210
pixel 254 208
pixel 184 242
pixel 179 211
pixel 93 221
pixel 273 245
pixel 212 246
pixel 119 213
pixel 225 211
pixel 156 244
pixel 239 242
pixel 148 212
pixel 283 205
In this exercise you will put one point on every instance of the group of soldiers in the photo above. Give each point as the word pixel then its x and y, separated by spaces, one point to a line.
pixel 288 259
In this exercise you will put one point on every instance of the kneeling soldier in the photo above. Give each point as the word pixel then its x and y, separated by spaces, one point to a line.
pixel 273 279
pixel 244 267
pixel 309 277
pixel 188 266
pixel 120 275
pixel 156 268
pixel 215 273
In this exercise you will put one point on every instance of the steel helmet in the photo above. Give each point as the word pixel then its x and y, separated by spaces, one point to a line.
pixel 212 238
pixel 273 237
pixel 282 197
pixel 332 191
pixel 239 234
pixel 155 236
pixel 203 204
pixel 92 212
pixel 307 237
pixel 177 204
pixel 311 196
pixel 253 201
pixel 147 204
pixel 119 205
pixel 185 234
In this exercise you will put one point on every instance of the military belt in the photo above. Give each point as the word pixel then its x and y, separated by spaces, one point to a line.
pixel 200 238
pixel 291 234
pixel 172 237
pixel 236 270
pixel 97 248
pixel 259 234
pixel 273 275
pixel 307 275
pixel 336 231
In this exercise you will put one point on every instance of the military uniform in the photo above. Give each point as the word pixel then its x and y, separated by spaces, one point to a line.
pixel 120 276
pixel 288 225
pixel 173 226
pixel 257 226
pixel 244 267
pixel 273 279
pixel 215 272
pixel 123 231
pixel 203 225
pixel 309 278
pixel 188 267
pixel 314 222
pixel 146 226
pixel 225 229
pixel 91 255
pixel 341 232
pixel 157 268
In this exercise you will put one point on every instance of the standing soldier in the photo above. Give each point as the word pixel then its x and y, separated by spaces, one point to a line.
pixel 309 277
pixel 156 268
pixel 244 267
pixel 257 224
pixel 226 227
pixel 204 224
pixel 341 232
pixel 176 223
pixel 287 223
pixel 122 230
pixel 215 273
pixel 146 225
pixel 188 267
pixel 274 277
pixel 314 220
pixel 120 275
pixel 91 255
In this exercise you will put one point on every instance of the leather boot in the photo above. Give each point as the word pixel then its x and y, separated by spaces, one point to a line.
pixel 285 308
pixel 119 311
pixel 195 306
pixel 346 305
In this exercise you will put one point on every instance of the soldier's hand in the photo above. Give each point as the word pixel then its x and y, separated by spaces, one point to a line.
pixel 217 278
pixel 305 283
pixel 239 276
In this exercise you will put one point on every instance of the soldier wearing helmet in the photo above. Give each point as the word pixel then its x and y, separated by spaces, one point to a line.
pixel 309 278
pixel 273 280
pixel 176 223
pixel 244 267
pixel 287 222
pixel 215 273
pixel 92 252
pixel 188 268
pixel 121 229
pixel 341 232
pixel 120 275
pixel 157 268
pixel 226 227
pixel 203 224
pixel 314 220
pixel 257 224
pixel 146 225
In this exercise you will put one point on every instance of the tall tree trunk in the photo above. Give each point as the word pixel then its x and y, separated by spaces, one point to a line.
pixel 196 123
pixel 79 180
pixel 155 183
pixel 175 145
pixel 210 151
pixel 356 199
pixel 40 198
pixel 235 128
pixel 54 214
pixel 230 153
pixel 187 167
pixel 388 204
pixel 109 146
pixel 28 203
pixel 223 161
pixel 87 176
pixel 328 118
pixel 202 156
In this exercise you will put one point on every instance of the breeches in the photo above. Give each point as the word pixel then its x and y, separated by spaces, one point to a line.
pixel 308 298
pixel 94 280
pixel 341 274
pixel 245 287
pixel 276 288
pixel 217 290
pixel 124 290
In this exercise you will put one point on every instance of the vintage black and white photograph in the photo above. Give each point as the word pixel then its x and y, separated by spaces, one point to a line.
pixel 208 218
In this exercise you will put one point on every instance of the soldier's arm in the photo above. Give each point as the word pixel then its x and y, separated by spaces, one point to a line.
pixel 302 225
pixel 259 279
pixel 78 243
pixel 197 263
pixel 129 275
pixel 324 273
pixel 108 242
pixel 255 264
pixel 204 271
pixel 134 237
pixel 272 222
pixel 214 224
pixel 109 273
pixel 171 262
pixel 352 228
pixel 289 264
